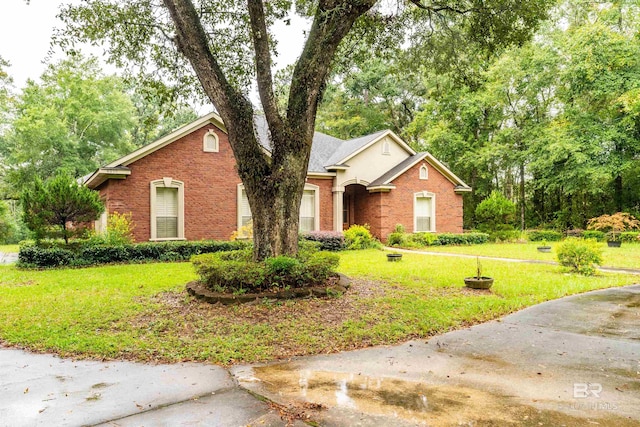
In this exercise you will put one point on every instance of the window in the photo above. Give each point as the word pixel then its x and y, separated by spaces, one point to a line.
pixel 210 142
pixel 308 211
pixel 424 172
pixel 424 212
pixel 166 213
pixel 245 210
pixel 167 209
pixel 386 148
pixel 309 208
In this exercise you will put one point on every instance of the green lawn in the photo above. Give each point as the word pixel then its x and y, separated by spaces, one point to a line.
pixel 142 311
pixel 626 256
pixel 9 248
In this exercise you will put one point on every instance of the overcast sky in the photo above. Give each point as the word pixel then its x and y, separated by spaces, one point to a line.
pixel 25 33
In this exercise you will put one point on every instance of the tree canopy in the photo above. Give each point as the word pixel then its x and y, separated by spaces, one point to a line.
pixel 229 45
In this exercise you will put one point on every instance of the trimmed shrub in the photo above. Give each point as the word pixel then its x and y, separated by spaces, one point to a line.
pixel 397 239
pixel 424 239
pixel 49 254
pixel 580 256
pixel 576 232
pixel 541 235
pixel 235 271
pixel 630 237
pixel 600 236
pixel 359 237
pixel 495 216
pixel 329 240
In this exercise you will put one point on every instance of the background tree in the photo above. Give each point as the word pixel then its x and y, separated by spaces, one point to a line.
pixel 75 119
pixel 49 207
pixel 229 44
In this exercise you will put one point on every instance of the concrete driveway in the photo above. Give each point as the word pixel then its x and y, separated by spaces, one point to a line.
pixel 571 362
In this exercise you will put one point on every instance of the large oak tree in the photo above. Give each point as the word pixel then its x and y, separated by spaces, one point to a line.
pixel 228 45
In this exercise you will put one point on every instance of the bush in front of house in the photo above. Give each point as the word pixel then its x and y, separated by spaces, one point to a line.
pixel 579 255
pixel 236 272
pixel 359 237
pixel 421 240
pixel 544 235
pixel 329 240
pixel 600 236
pixel 49 254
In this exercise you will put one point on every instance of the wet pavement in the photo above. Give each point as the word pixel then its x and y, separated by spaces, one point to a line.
pixel 572 362
pixel 569 362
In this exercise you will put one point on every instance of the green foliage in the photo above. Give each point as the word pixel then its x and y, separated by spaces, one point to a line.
pixel 495 216
pixel 544 235
pixel 7 227
pixel 397 239
pixel 74 119
pixel 420 240
pixel 359 237
pixel 630 236
pixel 119 230
pixel 48 254
pixel 49 207
pixel 580 256
pixel 236 272
pixel 328 240
pixel 599 236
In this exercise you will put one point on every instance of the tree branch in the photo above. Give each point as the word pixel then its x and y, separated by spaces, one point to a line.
pixel 233 106
pixel 332 22
pixel 441 8
pixel 263 68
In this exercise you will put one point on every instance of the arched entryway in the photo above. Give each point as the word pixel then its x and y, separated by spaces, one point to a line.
pixel 359 206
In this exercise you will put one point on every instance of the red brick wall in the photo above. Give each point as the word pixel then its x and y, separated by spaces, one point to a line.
pixel 397 205
pixel 326 202
pixel 210 187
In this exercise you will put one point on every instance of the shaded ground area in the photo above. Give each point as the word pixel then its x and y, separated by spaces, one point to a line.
pixel 571 362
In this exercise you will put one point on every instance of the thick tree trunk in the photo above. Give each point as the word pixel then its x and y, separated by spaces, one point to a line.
pixel 274 183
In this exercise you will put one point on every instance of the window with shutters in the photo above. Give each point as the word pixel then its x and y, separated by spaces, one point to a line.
pixel 167 209
pixel 424 212
pixel 210 143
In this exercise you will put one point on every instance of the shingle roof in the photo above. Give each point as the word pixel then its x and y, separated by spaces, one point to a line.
pixel 386 178
pixel 325 149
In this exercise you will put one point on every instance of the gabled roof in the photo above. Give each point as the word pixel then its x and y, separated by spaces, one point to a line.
pixel 348 149
pixel 327 153
pixel 386 180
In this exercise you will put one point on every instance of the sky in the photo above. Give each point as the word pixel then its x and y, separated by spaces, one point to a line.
pixel 25 34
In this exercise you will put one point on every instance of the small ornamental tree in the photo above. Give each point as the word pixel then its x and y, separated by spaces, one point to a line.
pixel 496 214
pixel 614 224
pixel 56 203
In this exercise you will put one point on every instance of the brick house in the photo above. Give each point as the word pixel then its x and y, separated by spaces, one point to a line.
pixel 185 186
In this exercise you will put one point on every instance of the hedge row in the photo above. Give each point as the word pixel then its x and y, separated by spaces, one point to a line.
pixel 542 235
pixel 86 254
pixel 329 240
pixel 430 239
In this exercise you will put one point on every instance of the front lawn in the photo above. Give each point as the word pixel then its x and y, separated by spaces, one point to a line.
pixel 142 311
pixel 628 255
